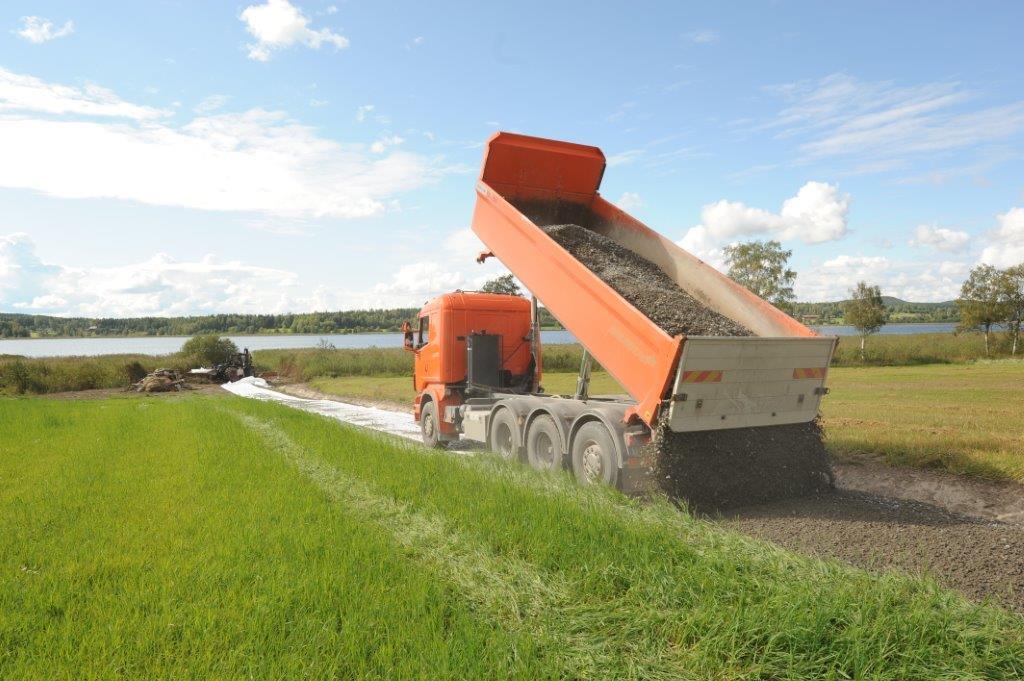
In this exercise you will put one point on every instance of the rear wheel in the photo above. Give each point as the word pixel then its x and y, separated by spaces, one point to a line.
pixel 593 455
pixel 543 444
pixel 429 427
pixel 504 438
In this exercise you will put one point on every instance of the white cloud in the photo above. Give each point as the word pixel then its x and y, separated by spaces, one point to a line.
pixel 630 201
pixel 817 213
pixel 258 161
pixel 211 103
pixel 363 111
pixel 940 238
pixel 624 157
pixel 160 285
pixel 916 280
pixel 317 103
pixel 23 276
pixel 27 93
pixel 415 42
pixel 426 278
pixel 841 115
pixel 278 24
pixel 39 30
pixel 1006 243
pixel 705 36
pixel 382 144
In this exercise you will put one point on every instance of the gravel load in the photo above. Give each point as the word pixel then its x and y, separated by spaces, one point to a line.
pixel 715 470
pixel 643 284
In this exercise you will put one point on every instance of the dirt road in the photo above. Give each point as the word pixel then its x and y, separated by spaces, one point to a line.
pixel 981 558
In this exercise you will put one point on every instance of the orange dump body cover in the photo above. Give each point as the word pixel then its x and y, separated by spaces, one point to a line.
pixel 520 173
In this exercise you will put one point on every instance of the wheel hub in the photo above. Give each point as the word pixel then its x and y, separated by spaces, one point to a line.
pixel 592 461
pixel 504 440
pixel 545 450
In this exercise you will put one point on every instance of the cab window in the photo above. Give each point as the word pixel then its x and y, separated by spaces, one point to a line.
pixel 424 332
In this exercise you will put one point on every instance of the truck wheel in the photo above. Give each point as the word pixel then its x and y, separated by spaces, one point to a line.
pixel 593 455
pixel 544 445
pixel 429 427
pixel 504 440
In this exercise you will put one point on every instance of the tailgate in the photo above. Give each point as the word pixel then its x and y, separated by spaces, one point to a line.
pixel 741 382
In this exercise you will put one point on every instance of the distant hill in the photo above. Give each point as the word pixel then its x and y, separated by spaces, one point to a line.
pixel 899 311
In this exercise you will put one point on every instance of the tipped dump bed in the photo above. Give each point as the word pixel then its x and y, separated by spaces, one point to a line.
pixel 527 183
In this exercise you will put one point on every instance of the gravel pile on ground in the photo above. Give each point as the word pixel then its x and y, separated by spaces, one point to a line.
pixel 643 284
pixel 980 558
pixel 722 469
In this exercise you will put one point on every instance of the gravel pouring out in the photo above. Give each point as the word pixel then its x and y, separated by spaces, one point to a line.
pixel 721 469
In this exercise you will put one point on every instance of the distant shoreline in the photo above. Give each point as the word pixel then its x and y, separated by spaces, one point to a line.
pixel 330 333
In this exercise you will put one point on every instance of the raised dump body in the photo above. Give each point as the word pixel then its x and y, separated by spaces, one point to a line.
pixel 700 383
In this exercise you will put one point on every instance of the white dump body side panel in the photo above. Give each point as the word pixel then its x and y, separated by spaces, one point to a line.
pixel 742 382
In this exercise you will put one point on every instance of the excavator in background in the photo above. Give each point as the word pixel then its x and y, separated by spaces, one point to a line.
pixel 479 360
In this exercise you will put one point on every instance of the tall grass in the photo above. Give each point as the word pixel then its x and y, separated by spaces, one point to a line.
pixel 19 375
pixel 215 537
pixel 920 348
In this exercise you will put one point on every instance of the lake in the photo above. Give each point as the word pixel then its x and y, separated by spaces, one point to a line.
pixel 165 345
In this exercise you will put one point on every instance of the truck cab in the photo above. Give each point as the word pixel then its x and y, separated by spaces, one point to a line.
pixel 469 345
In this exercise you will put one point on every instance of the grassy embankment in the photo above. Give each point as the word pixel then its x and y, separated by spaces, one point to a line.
pixel 216 537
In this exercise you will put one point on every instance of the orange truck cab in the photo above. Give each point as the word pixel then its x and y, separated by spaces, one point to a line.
pixel 466 345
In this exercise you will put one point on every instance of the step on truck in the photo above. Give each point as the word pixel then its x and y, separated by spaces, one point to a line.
pixel 478 356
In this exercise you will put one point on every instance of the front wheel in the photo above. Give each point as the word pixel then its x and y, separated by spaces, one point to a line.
pixel 429 427
pixel 504 436
pixel 593 455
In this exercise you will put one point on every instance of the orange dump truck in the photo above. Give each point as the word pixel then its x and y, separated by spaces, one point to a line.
pixel 478 356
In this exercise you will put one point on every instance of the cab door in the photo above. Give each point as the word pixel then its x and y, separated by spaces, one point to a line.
pixel 428 351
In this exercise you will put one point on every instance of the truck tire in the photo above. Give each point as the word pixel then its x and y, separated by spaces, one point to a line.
pixel 504 436
pixel 430 428
pixel 543 444
pixel 593 455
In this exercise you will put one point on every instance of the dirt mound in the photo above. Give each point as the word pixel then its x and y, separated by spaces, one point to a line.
pixel 643 284
pixel 160 381
pixel 979 558
pixel 723 469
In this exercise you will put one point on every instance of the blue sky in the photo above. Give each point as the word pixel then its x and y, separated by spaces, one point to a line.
pixel 195 157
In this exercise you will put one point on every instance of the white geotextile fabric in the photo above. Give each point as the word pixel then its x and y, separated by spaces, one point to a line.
pixel 394 422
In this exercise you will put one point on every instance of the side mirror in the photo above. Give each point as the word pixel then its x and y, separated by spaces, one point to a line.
pixel 407 330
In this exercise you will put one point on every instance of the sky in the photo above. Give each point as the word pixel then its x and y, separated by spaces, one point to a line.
pixel 175 157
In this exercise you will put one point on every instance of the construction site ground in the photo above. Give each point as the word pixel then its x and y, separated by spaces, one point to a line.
pixel 966 532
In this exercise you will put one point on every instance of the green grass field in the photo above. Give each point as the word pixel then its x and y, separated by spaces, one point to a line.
pixel 965 418
pixel 200 536
pixel 962 418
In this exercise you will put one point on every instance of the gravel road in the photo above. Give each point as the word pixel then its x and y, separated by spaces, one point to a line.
pixel 981 558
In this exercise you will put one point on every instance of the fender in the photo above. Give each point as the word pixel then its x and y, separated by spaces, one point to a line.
pixel 435 393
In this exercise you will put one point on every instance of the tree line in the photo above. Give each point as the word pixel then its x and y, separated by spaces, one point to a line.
pixel 353 321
